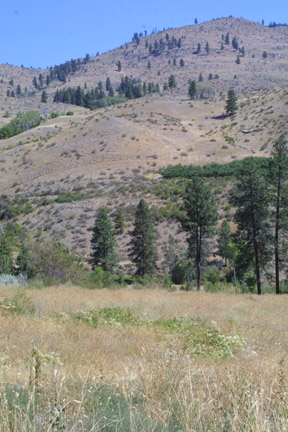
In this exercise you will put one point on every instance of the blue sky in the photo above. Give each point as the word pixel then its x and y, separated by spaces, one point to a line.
pixel 43 34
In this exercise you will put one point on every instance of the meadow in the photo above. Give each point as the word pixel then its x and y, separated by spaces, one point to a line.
pixel 74 359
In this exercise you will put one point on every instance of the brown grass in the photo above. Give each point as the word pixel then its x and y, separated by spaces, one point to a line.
pixel 247 391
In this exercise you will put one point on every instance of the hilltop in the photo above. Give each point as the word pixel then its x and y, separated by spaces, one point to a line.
pixel 112 156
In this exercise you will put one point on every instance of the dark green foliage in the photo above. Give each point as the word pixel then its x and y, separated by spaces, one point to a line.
pixel 200 79
pixel 44 97
pixel 231 102
pixel 182 63
pixel 23 261
pixel 119 66
pixel 143 237
pixel 103 242
pixel 224 241
pixel 198 48
pixel 131 88
pixel 279 202
pixel 18 90
pixel 213 170
pixel 235 43
pixel 264 55
pixel 250 198
pixel 207 48
pixel 192 91
pixel 52 262
pixel 227 39
pixel 6 261
pixel 92 99
pixel 119 221
pixel 21 123
pixel 200 219
pixel 238 61
pixel 171 81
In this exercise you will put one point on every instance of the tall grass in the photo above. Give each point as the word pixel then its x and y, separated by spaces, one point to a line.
pixel 125 360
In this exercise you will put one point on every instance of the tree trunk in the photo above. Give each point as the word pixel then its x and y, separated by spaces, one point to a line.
pixel 276 238
pixel 257 268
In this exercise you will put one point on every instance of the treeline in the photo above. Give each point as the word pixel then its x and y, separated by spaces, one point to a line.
pixel 129 88
pixel 59 72
pixel 21 123
pixel 214 170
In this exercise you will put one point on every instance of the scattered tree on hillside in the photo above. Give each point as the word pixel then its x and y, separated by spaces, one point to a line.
pixel 250 198
pixel 18 90
pixel 227 39
pixel 143 237
pixel 231 103
pixel 200 79
pixel 182 63
pixel 119 66
pixel 171 81
pixel 44 97
pixel 235 43
pixel 192 91
pixel 207 48
pixel 198 48
pixel 200 219
pixel 103 242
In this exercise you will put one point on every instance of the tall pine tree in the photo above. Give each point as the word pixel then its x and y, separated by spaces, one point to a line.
pixel 103 242
pixel 279 195
pixel 200 219
pixel 143 250
pixel 249 196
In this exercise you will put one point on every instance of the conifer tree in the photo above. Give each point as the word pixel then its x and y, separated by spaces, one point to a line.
pixel 231 103
pixel 44 97
pixel 250 199
pixel 192 91
pixel 224 241
pixel 103 242
pixel 200 219
pixel 143 237
pixel 279 195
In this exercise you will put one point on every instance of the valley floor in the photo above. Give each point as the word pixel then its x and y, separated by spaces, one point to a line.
pixel 150 359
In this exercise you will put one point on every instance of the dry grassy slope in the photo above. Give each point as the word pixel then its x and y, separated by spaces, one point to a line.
pixel 120 145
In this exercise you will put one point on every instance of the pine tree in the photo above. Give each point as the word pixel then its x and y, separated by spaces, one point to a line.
pixel 119 221
pixel 279 201
pixel 103 242
pixel 44 97
pixel 200 219
pixel 143 237
pixel 200 79
pixel 231 102
pixel 207 48
pixel 18 90
pixel 192 91
pixel 224 241
pixel 171 81
pixel 249 196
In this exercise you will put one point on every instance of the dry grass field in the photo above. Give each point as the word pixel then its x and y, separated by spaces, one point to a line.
pixel 151 360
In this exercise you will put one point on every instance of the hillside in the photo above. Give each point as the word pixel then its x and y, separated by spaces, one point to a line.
pixel 111 156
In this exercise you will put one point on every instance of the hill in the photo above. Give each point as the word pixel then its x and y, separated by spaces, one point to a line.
pixel 70 165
